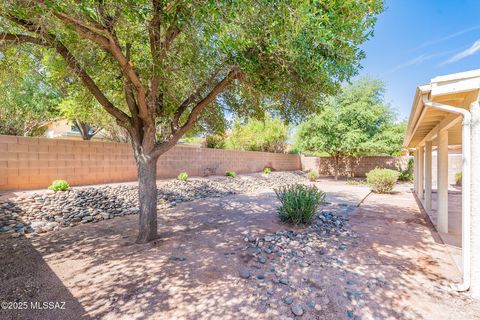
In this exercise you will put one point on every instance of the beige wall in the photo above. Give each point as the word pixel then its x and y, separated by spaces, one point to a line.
pixel 28 163
pixel 454 165
pixel 352 167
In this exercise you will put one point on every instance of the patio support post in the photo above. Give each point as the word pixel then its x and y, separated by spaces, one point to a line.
pixel 475 202
pixel 415 171
pixel 442 181
pixel 428 176
pixel 421 172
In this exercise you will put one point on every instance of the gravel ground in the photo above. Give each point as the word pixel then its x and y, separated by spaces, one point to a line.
pixel 47 211
pixel 231 258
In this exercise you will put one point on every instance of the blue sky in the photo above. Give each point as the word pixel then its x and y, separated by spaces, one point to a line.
pixel 416 40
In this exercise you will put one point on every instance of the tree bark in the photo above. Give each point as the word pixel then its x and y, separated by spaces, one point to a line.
pixel 336 167
pixel 84 130
pixel 147 196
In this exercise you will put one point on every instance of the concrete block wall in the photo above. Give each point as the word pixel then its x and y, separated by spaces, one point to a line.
pixel 455 162
pixel 352 167
pixel 29 163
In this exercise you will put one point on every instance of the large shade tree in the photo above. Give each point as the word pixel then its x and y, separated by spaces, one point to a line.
pixel 355 122
pixel 170 60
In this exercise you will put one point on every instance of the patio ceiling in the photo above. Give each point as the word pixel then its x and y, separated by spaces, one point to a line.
pixel 457 90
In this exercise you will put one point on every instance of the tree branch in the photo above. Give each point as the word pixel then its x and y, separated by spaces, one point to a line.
pixel 107 41
pixel 159 48
pixel 51 41
pixel 122 118
pixel 21 38
pixel 181 109
pixel 160 148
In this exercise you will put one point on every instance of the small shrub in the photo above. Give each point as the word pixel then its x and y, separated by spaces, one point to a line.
pixel 382 180
pixel 215 141
pixel 231 174
pixel 458 178
pixel 407 174
pixel 299 203
pixel 183 176
pixel 59 185
pixel 356 182
pixel 312 175
pixel 267 170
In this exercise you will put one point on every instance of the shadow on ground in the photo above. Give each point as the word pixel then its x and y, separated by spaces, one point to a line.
pixel 392 269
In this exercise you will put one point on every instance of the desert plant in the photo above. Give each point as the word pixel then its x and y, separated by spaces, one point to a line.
pixel 231 174
pixel 458 178
pixel 356 182
pixel 269 134
pixel 407 174
pixel 267 170
pixel 299 203
pixel 382 180
pixel 312 175
pixel 215 141
pixel 182 176
pixel 59 185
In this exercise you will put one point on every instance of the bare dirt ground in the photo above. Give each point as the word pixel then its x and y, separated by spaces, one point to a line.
pixel 392 266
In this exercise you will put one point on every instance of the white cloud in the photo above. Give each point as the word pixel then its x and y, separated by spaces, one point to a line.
pixel 418 59
pixel 450 36
pixel 463 54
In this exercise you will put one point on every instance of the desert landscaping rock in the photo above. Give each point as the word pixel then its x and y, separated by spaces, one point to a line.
pixel 101 266
pixel 297 310
pixel 290 251
pixel 32 213
pixel 288 300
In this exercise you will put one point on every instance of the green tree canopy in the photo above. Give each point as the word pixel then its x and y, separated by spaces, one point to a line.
pixel 27 100
pixel 269 134
pixel 355 122
pixel 170 60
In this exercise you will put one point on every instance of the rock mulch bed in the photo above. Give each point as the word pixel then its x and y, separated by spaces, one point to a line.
pixel 285 267
pixel 43 212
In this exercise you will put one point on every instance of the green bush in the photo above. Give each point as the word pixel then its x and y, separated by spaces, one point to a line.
pixel 183 176
pixel 299 203
pixel 356 182
pixel 267 170
pixel 269 134
pixel 458 178
pixel 231 174
pixel 312 175
pixel 407 174
pixel 215 141
pixel 382 180
pixel 59 185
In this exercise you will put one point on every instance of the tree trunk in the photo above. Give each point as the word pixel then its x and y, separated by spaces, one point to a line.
pixel 84 129
pixel 147 197
pixel 336 167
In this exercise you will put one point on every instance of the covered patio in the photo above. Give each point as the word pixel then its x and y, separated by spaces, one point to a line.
pixel 446 114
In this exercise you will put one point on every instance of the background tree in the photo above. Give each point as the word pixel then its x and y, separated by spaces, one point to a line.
pixel 85 113
pixel 77 104
pixel 269 134
pixel 353 123
pixel 170 60
pixel 27 99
